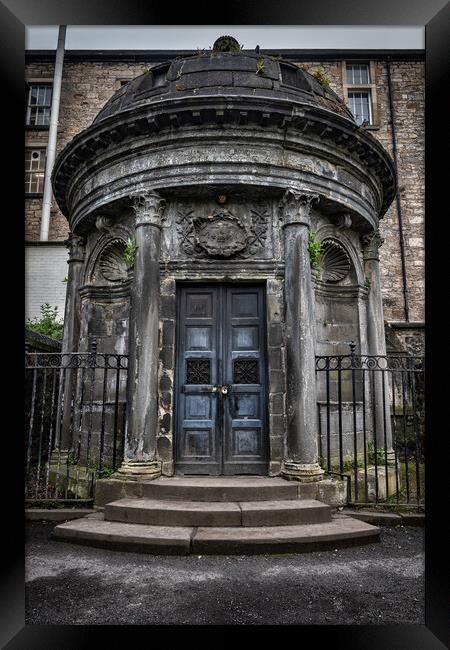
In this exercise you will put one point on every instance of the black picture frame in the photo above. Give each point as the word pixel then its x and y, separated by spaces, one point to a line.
pixel 435 16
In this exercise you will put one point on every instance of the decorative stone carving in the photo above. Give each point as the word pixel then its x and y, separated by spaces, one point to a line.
pixel 103 223
pixel 149 208
pixel 111 263
pixel 371 244
pixel 296 207
pixel 222 234
pixel 75 244
pixel 334 261
pixel 344 221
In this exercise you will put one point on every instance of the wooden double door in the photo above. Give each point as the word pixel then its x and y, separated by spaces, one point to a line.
pixel 220 392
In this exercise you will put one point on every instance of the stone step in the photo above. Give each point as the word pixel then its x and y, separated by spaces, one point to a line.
pixel 169 540
pixel 284 539
pixel 173 513
pixel 217 513
pixel 221 488
pixel 117 536
pixel 284 513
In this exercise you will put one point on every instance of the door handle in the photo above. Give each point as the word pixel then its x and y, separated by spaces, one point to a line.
pixel 224 389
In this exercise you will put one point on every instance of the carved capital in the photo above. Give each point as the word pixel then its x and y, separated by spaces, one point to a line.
pixel 296 207
pixel 75 244
pixel 149 208
pixel 371 244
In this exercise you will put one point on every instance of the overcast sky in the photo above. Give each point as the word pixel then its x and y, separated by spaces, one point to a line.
pixel 190 38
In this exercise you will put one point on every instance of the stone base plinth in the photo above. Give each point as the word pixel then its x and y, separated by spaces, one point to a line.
pixel 303 472
pixel 133 470
pixel 111 489
pixel 377 477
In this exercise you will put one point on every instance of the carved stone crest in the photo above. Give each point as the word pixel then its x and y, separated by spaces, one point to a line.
pixel 221 234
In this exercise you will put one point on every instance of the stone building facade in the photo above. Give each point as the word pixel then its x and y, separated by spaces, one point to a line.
pixel 217 168
pixel 195 193
pixel 90 79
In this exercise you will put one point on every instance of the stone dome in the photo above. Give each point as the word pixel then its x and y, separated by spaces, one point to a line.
pixel 221 73
pixel 224 118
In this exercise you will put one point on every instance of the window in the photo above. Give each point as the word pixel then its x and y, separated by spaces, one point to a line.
pixel 360 104
pixel 34 170
pixel 39 104
pixel 360 91
pixel 358 73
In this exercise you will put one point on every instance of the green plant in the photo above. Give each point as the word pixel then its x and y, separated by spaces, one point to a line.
pixel 371 456
pixel 65 280
pixel 72 459
pixel 322 78
pixel 106 472
pixel 260 66
pixel 368 283
pixel 129 254
pixel 314 248
pixel 48 323
pixel 326 323
pixel 349 462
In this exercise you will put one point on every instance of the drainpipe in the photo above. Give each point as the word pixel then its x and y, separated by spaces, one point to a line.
pixel 52 134
pixel 397 195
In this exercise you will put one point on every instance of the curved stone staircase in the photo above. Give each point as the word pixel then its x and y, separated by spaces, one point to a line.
pixel 226 515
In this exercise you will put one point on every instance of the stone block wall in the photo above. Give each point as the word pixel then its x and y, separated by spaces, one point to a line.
pixel 87 86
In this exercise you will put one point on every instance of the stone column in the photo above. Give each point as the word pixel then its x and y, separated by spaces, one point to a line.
pixel 301 402
pixel 75 244
pixel 376 339
pixel 142 421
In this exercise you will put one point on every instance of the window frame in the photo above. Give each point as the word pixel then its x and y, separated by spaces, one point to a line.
pixel 34 83
pixel 371 88
pixel 39 193
pixel 368 93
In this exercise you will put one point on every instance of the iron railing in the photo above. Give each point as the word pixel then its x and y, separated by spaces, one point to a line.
pixel 75 415
pixel 371 426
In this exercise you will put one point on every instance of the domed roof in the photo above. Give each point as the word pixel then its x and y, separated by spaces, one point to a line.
pixel 221 72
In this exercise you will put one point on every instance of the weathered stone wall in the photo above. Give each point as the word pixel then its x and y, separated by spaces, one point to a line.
pixel 87 85
pixel 85 89
pixel 408 96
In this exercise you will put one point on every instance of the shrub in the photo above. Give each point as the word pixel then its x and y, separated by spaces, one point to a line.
pixel 48 323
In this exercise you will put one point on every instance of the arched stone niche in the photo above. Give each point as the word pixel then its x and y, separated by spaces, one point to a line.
pixel 105 294
pixel 341 317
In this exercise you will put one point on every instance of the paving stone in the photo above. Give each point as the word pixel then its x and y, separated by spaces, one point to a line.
pixel 59 514
pixel 376 518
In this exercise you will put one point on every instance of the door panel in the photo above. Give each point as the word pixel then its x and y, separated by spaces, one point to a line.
pixel 221 342
pixel 197 445
pixel 245 431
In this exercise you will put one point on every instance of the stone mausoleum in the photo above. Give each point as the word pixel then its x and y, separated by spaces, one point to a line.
pixel 195 199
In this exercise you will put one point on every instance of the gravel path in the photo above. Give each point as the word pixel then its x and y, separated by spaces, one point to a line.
pixel 378 583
